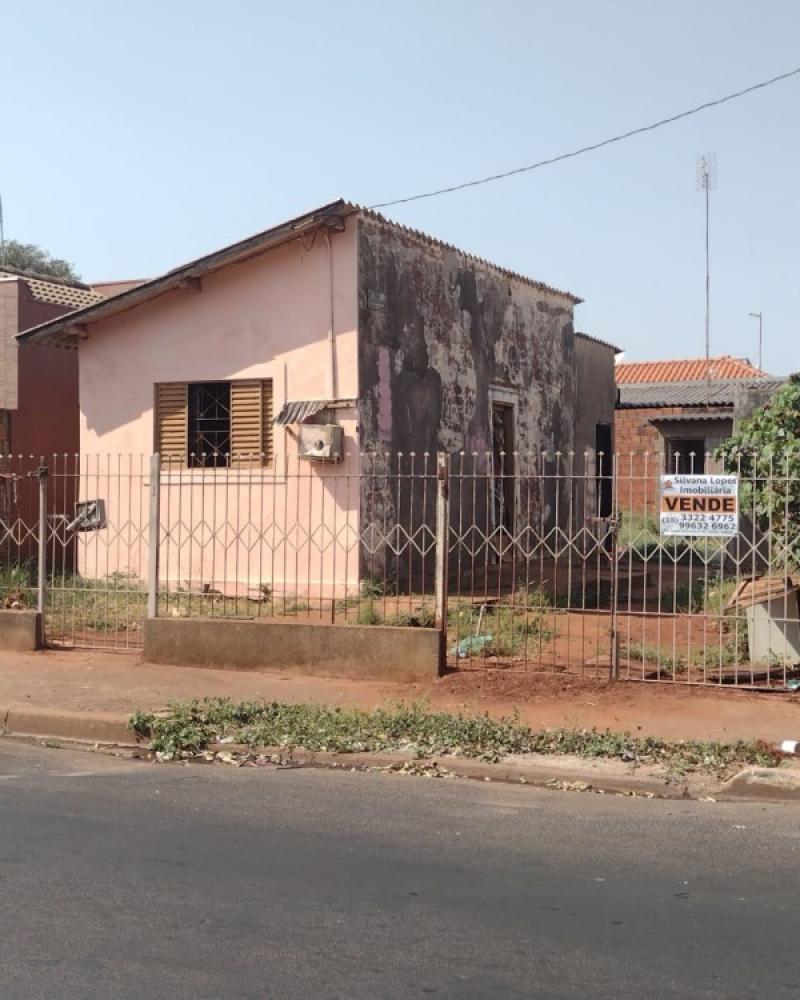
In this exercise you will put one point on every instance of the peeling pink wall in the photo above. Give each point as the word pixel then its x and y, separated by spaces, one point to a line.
pixel 268 317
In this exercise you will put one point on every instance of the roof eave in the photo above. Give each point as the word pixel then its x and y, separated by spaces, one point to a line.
pixel 599 340
pixel 66 330
pixel 371 213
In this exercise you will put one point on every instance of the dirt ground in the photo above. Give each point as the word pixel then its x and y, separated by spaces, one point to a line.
pixel 117 684
pixel 672 711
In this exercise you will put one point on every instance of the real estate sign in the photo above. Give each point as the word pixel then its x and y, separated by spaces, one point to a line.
pixel 700 506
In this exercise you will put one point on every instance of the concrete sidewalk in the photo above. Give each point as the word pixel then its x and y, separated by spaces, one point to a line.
pixel 90 695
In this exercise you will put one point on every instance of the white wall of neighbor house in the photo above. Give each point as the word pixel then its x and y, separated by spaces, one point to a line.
pixel 241 528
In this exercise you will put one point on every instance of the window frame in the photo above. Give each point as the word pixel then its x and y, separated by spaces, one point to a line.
pixel 685 456
pixel 504 398
pixel 195 458
pixel 170 463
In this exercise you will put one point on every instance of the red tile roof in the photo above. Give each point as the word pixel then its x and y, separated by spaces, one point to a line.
pixel 55 291
pixel 689 370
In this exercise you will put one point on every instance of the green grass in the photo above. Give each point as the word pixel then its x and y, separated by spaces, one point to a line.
pixel 504 629
pixel 118 602
pixel 18 583
pixel 642 534
pixel 637 529
pixel 188 728
pixel 732 650
pixel 700 597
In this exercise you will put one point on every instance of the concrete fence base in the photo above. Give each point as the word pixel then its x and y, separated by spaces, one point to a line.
pixel 20 631
pixel 365 652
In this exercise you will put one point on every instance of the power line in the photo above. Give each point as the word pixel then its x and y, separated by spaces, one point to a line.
pixel 593 146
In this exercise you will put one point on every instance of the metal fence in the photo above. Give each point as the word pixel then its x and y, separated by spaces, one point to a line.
pixel 544 562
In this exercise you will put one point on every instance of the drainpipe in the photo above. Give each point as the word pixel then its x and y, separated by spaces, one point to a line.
pixel 332 388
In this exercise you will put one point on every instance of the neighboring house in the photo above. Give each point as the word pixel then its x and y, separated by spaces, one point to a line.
pixel 38 385
pixel 342 318
pixel 108 288
pixel 672 417
pixel 594 433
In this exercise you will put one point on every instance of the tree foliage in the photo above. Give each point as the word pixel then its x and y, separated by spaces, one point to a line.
pixel 766 455
pixel 30 257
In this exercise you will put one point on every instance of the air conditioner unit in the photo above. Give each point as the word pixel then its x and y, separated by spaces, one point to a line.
pixel 320 442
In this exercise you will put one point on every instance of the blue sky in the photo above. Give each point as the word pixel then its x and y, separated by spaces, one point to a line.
pixel 138 136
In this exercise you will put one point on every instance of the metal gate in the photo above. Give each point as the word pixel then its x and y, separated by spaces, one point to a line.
pixel 96 551
pixel 539 562
pixel 570 587
pixel 74 545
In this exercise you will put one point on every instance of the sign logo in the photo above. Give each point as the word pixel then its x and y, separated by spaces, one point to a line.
pixel 699 506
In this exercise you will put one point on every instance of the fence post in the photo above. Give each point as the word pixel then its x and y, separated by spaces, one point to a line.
pixel 442 549
pixel 154 539
pixel 614 524
pixel 41 475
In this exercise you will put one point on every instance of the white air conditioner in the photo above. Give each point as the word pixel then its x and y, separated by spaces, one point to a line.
pixel 320 442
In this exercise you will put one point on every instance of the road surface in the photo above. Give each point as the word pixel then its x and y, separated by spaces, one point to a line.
pixel 123 880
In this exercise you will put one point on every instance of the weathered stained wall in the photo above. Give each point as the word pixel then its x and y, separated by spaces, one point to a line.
pixel 596 399
pixel 437 330
pixel 596 388
pixel 441 336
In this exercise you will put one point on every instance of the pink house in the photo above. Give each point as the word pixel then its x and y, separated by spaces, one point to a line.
pixel 263 372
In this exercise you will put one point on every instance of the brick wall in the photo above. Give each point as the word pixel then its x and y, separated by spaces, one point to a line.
pixel 640 451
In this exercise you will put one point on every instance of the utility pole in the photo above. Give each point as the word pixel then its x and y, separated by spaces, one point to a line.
pixel 706 180
pixel 760 317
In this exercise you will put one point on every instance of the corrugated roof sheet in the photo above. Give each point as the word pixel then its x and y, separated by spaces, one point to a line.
pixel 689 393
pixel 61 331
pixel 433 241
pixel 685 418
pixel 686 370
pixel 296 411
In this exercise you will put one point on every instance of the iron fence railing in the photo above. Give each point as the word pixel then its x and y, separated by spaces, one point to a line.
pixel 592 565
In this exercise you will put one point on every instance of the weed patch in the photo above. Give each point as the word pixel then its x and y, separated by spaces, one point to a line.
pixel 188 728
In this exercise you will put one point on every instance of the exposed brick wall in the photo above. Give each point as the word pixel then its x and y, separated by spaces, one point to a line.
pixel 640 453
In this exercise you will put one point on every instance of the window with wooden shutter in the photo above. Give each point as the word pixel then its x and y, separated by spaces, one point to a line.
pixel 247 423
pixel 171 422
pixel 266 421
pixel 213 424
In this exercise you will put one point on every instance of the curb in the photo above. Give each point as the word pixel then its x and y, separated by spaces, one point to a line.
pixel 89 727
pixel 564 776
pixel 755 784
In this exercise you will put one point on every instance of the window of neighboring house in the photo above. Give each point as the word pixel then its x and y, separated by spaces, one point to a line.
pixel 213 425
pixel 686 456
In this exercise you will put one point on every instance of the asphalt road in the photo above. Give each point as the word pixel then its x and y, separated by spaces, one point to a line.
pixel 126 880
